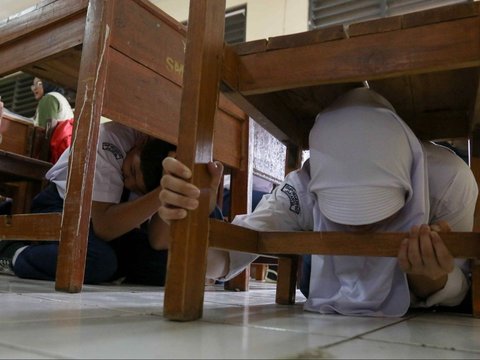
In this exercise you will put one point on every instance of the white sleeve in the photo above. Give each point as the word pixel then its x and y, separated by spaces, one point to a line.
pixel 114 142
pixel 451 295
pixel 58 173
pixel 287 208
pixel 453 191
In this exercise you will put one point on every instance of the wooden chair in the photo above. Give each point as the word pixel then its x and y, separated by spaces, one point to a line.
pixel 125 60
pixel 425 63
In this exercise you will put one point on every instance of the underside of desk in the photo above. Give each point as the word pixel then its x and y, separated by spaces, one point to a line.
pixel 426 64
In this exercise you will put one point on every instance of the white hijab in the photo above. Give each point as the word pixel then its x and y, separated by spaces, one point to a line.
pixel 360 143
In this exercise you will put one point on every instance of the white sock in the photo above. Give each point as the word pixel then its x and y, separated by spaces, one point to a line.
pixel 17 253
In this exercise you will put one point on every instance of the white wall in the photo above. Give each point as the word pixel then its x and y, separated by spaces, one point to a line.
pixel 11 7
pixel 265 18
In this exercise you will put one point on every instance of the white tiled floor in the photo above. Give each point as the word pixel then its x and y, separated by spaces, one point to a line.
pixel 116 322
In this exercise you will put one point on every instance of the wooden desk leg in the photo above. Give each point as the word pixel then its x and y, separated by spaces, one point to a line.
pixel 241 282
pixel 184 287
pixel 238 205
pixel 288 267
pixel 260 271
pixel 287 280
pixel 31 190
pixel 475 166
pixel 18 195
pixel 78 199
pixel 19 205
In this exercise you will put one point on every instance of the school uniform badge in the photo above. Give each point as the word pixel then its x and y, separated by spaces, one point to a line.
pixel 291 193
pixel 113 149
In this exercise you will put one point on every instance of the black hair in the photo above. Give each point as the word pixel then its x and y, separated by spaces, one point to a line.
pixel 49 87
pixel 151 157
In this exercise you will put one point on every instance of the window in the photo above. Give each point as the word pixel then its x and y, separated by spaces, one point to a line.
pixel 235 25
pixel 324 13
pixel 16 94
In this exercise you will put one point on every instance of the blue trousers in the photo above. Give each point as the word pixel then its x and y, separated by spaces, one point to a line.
pixel 129 256
pixel 304 282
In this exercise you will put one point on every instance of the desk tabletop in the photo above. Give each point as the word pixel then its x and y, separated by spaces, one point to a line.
pixel 15 167
pixel 425 63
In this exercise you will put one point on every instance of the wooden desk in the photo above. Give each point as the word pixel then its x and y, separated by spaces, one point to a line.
pixel 426 63
pixel 16 167
pixel 125 58
pixel 142 82
pixel 16 135
pixel 20 136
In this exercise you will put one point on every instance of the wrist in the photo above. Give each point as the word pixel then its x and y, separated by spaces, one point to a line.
pixel 423 286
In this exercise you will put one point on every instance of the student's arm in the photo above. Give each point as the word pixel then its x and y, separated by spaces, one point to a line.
pixel 113 220
pixel 158 233
pixel 426 260
pixel 178 196
pixel 438 279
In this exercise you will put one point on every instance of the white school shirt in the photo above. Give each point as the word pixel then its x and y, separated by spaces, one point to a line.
pixel 290 207
pixel 114 142
pixel 65 111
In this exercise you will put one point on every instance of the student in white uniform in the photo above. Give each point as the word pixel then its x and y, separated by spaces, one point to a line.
pixel 126 238
pixel 55 115
pixel 367 172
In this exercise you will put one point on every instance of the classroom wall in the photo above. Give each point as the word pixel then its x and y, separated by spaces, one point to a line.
pixel 265 18
pixel 11 7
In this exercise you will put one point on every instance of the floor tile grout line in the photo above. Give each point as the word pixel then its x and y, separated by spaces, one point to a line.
pixel 67 318
pixel 410 317
pixel 360 336
pixel 426 346
pixel 34 351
